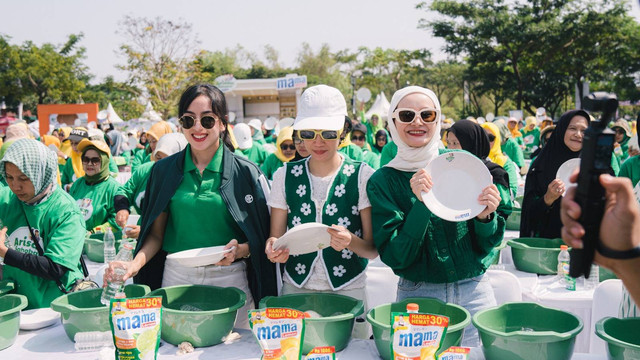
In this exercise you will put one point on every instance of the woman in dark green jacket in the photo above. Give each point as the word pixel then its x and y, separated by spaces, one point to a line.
pixel 205 196
pixel 433 257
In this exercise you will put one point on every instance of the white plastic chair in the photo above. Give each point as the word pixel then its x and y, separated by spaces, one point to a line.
pixel 606 302
pixel 382 284
pixel 506 286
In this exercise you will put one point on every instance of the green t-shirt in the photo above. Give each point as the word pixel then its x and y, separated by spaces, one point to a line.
pixel 513 151
pixel 141 156
pixel 61 228
pixel 631 169
pixel 256 154
pixel 198 215
pixel 135 187
pixel 96 202
pixel 389 151
pixel 353 152
pixel 270 165
pixel 372 159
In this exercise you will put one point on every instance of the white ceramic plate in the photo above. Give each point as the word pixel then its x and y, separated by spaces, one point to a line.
pixel 35 319
pixel 458 179
pixel 304 239
pixel 565 170
pixel 200 257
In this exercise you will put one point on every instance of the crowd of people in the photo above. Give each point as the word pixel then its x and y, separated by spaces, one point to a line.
pixel 208 182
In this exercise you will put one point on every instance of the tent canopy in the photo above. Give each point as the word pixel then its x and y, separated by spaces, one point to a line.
pixel 380 106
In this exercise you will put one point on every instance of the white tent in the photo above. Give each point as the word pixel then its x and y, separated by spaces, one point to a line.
pixel 380 106
pixel 150 114
pixel 112 116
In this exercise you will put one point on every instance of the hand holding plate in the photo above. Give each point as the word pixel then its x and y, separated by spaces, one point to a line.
pixel 421 183
pixel 276 256
pixel 229 257
pixel 340 237
pixel 554 191
pixel 490 197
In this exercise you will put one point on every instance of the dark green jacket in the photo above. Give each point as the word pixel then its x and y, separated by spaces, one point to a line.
pixel 242 190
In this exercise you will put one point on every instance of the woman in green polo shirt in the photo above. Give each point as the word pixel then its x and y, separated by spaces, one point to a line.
pixel 34 199
pixel 205 196
pixel 132 192
pixel 330 188
pixel 433 257
pixel 94 191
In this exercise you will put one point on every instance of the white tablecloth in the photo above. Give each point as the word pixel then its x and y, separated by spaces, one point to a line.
pixel 52 344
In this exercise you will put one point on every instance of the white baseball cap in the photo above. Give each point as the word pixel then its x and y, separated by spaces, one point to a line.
pixel 321 107
pixel 255 123
pixel 242 133
pixel 270 123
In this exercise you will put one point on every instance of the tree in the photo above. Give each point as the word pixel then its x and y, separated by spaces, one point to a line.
pixel 160 58
pixel 124 97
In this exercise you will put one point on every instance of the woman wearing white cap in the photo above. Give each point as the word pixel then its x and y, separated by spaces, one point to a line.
pixel 256 131
pixel 433 257
pixel 329 188
pixel 248 148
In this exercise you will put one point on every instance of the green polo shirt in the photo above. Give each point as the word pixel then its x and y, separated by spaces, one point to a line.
pixel 198 215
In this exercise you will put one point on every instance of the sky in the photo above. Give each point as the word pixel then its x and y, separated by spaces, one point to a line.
pixel 284 24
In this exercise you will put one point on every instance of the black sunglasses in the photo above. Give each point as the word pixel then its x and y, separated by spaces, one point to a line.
pixel 284 147
pixel 357 138
pixel 207 122
pixel 92 161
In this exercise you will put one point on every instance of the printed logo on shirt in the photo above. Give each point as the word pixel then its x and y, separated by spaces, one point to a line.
pixel 139 199
pixel 248 199
pixel 20 240
pixel 86 208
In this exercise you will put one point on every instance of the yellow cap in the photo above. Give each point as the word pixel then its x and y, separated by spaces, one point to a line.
pixel 100 145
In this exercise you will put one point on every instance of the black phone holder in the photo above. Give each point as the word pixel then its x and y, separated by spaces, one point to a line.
pixel 595 160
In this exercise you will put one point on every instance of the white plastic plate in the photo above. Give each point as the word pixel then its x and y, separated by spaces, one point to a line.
pixel 199 257
pixel 565 170
pixel 304 239
pixel 458 180
pixel 35 319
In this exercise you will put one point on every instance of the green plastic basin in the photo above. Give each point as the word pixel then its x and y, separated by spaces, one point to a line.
pixel 10 306
pixel 622 337
pixel 7 286
pixel 82 311
pixel 380 320
pixel 205 327
pixel 513 221
pixel 527 331
pixel 333 328
pixel 536 255
pixel 94 248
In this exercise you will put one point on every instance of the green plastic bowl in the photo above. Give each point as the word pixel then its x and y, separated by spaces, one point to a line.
pixel 536 255
pixel 7 286
pixel 10 306
pixel 527 331
pixel 201 328
pixel 82 311
pixel 329 330
pixel 513 221
pixel 94 248
pixel 622 337
pixel 380 320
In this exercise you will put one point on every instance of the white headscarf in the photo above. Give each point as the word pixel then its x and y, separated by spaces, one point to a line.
pixel 170 144
pixel 411 158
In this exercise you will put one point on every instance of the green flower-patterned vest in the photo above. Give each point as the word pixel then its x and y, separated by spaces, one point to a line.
pixel 340 208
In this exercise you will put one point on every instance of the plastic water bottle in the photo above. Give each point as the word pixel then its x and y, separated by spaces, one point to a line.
pixel 594 278
pixel 109 246
pixel 115 285
pixel 563 268
pixel 92 340
pixel 413 308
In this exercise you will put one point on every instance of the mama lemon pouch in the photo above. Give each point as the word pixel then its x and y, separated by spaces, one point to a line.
pixel 455 353
pixel 417 336
pixel 279 332
pixel 135 325
pixel 322 353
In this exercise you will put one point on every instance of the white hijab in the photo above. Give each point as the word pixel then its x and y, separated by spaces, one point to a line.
pixel 411 158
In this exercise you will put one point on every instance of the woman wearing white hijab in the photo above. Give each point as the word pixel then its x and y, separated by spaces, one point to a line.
pixel 433 257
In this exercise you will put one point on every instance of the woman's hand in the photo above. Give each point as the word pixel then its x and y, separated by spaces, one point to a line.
pixel 132 231
pixel 231 256
pixel 121 217
pixel 109 273
pixel 340 237
pixel 276 256
pixel 490 197
pixel 421 182
pixel 3 238
pixel 554 191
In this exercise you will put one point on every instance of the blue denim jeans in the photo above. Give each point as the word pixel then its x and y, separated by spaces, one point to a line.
pixel 473 294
